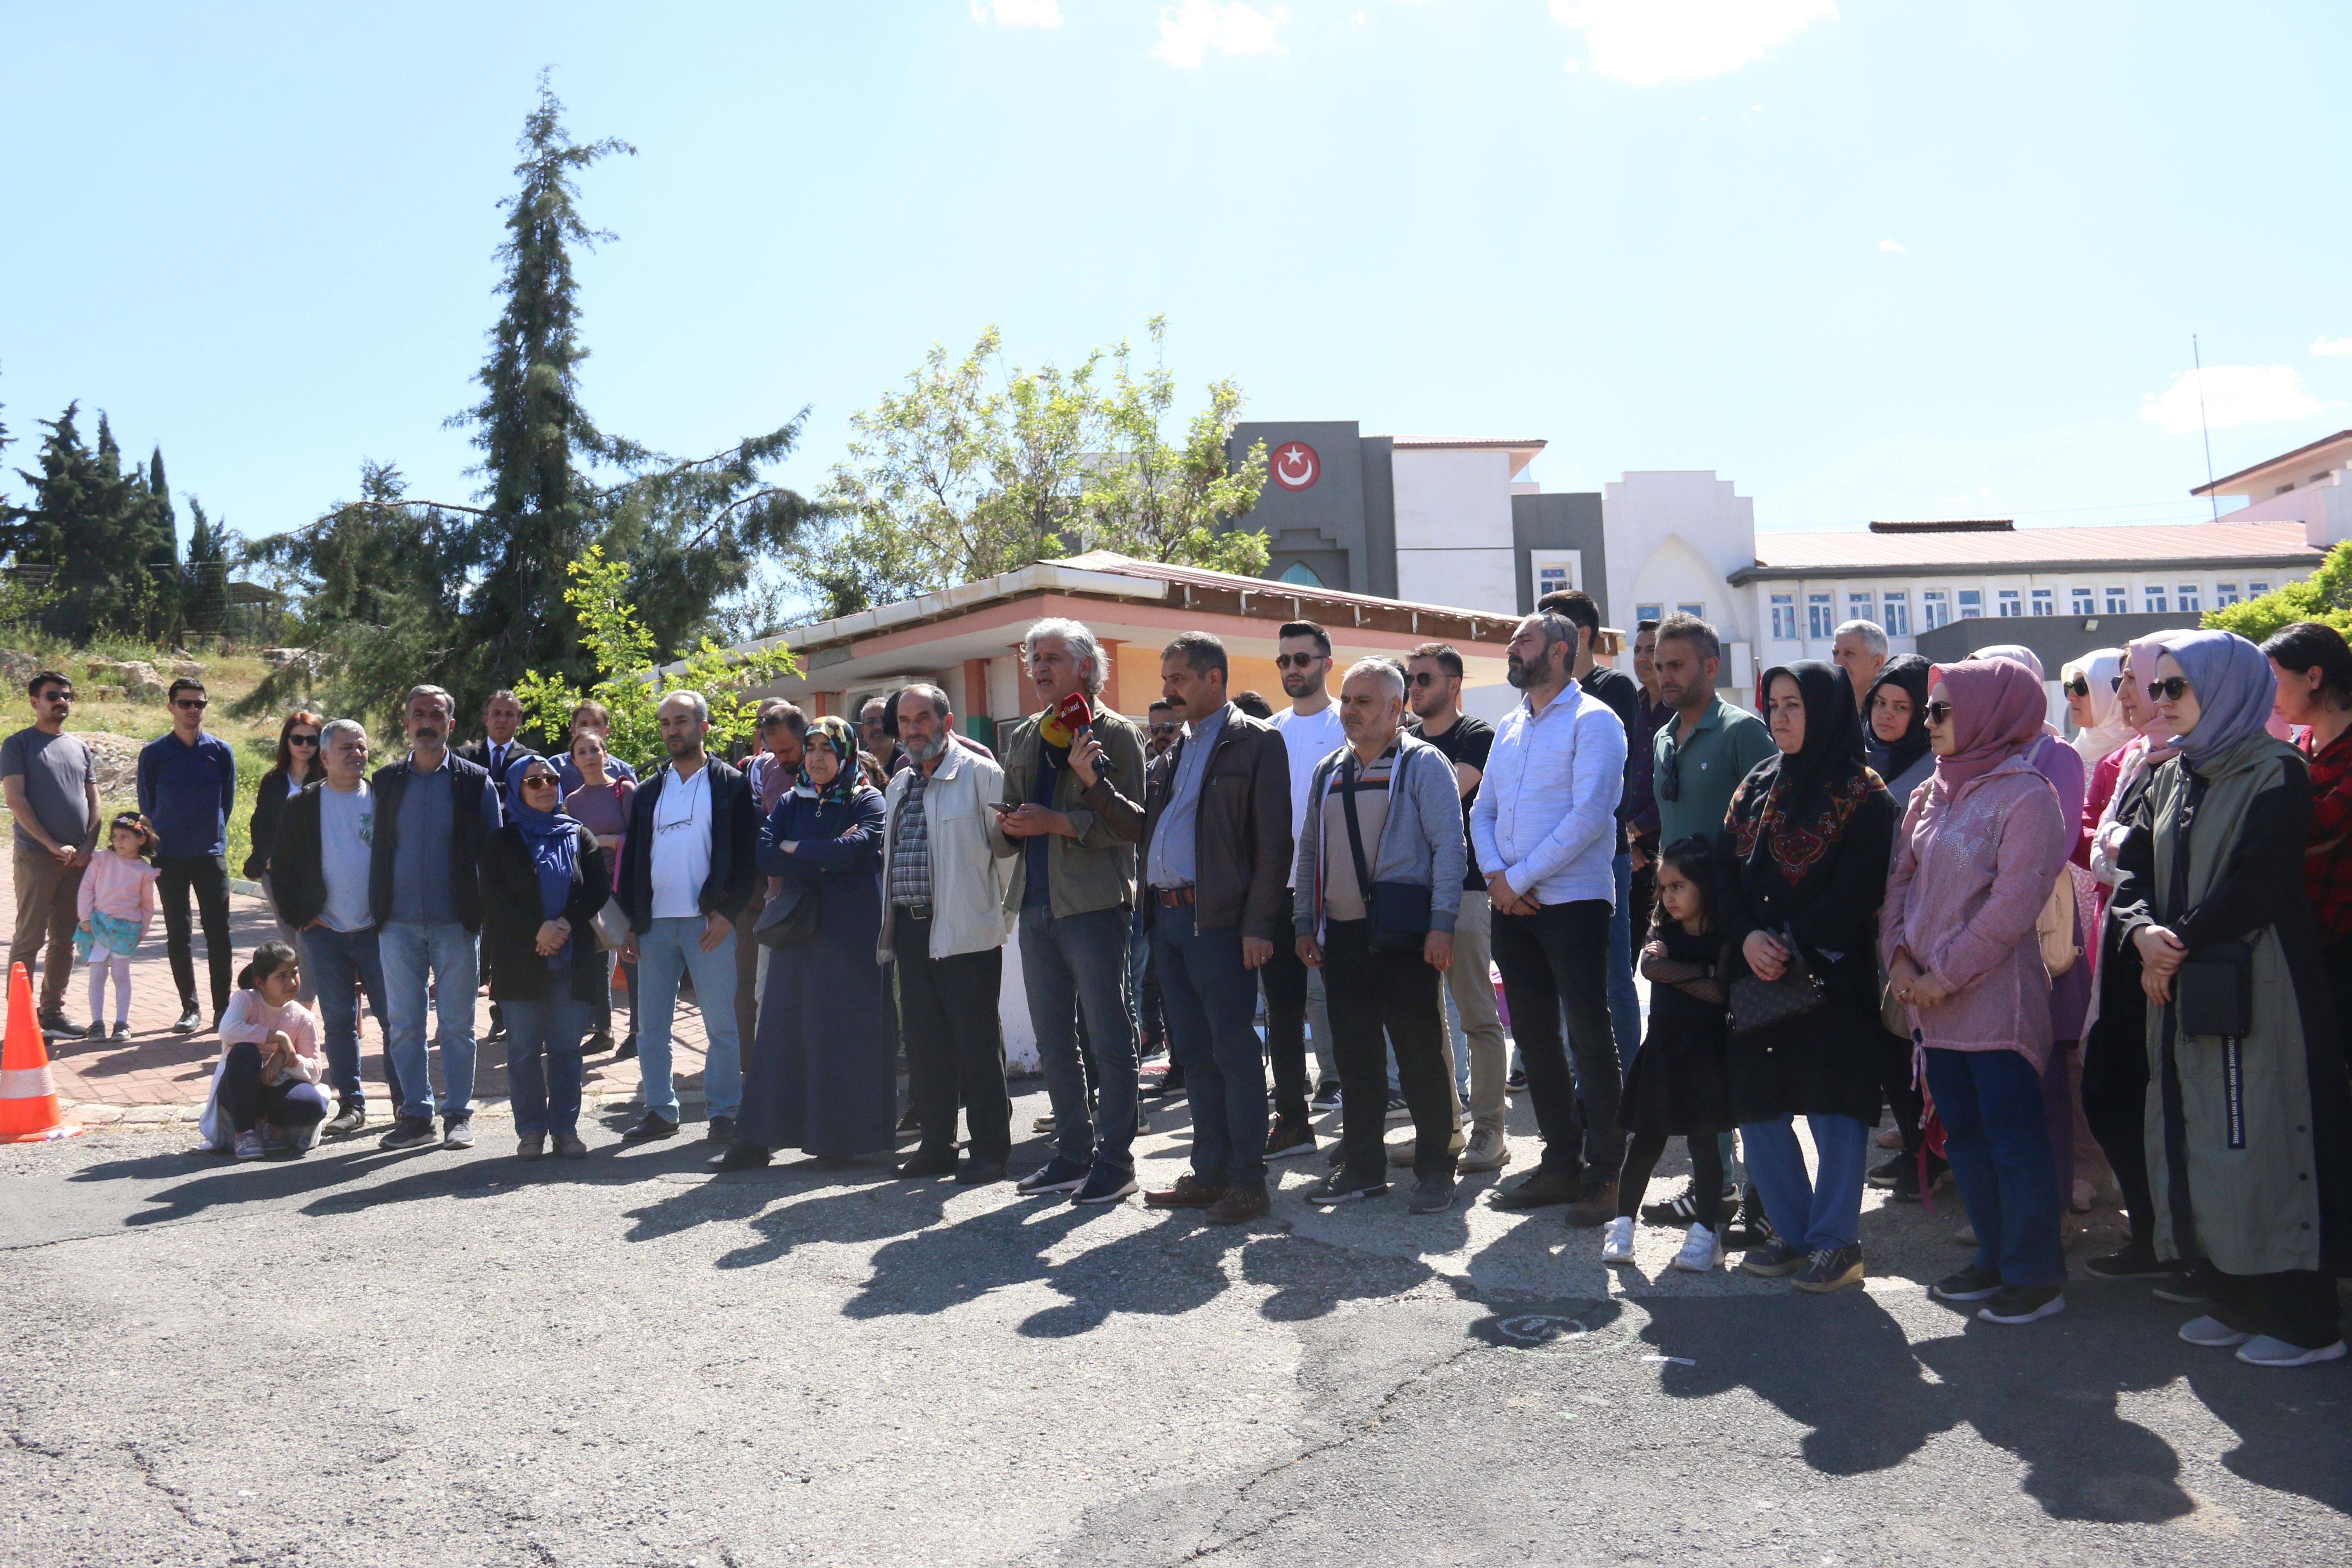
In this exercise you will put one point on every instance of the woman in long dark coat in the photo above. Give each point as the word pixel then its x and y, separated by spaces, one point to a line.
pixel 1804 858
pixel 818 1075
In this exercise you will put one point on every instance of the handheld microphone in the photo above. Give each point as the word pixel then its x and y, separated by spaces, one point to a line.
pixel 1060 725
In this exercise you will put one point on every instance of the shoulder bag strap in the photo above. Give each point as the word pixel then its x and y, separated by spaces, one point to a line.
pixel 1346 783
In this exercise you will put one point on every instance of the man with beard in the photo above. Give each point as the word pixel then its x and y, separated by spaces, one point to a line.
pixel 1544 829
pixel 1618 689
pixel 433 812
pixel 1310 732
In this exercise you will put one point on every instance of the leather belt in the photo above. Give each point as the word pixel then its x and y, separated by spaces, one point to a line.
pixel 1171 898
pixel 915 911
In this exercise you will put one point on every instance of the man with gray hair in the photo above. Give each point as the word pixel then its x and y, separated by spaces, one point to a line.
pixel 943 925
pixel 1860 649
pixel 1063 816
pixel 434 810
pixel 686 870
pixel 322 866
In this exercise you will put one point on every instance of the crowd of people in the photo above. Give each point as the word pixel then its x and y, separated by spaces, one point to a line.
pixel 2125 958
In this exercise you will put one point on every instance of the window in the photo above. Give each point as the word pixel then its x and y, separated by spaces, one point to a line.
pixel 1650 613
pixel 2009 605
pixel 2256 590
pixel 2118 601
pixel 1971 604
pixel 1303 575
pixel 1857 608
pixel 1784 617
pixel 2224 593
pixel 2086 602
pixel 1698 610
pixel 2046 603
pixel 1899 613
pixel 1551 571
pixel 1936 608
pixel 2187 598
pixel 2153 601
pixel 1821 620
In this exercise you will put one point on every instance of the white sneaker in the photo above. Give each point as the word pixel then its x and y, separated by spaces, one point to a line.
pixel 1617 1241
pixel 1702 1251
pixel 2264 1351
pixel 2212 1333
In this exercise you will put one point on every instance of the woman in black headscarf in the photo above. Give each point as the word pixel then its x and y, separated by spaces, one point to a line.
pixel 1803 865
pixel 1894 743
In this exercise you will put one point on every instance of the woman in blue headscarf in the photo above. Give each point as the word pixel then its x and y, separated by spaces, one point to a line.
pixel 543 877
pixel 818 1076
pixel 2250 1148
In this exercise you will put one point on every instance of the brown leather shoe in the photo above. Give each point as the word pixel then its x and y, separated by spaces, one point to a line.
pixel 1189 1193
pixel 1597 1205
pixel 1239 1206
pixel 1537 1189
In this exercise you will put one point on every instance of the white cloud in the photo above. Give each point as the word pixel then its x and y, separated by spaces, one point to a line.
pixel 2324 344
pixel 1645 42
pixel 1018 13
pixel 1894 247
pixel 1187 32
pixel 2234 394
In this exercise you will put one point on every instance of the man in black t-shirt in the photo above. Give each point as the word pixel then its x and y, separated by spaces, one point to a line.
pixel 1433 692
pixel 1622 693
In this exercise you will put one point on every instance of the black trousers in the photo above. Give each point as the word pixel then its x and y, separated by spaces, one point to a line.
pixel 207 876
pixel 1556 958
pixel 2297 1306
pixel 2115 1098
pixel 1284 978
pixel 248 1100
pixel 955 1043
pixel 1642 1152
pixel 1903 1097
pixel 1644 900
pixel 1377 998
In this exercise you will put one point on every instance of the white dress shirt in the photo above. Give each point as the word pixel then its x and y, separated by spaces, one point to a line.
pixel 1547 807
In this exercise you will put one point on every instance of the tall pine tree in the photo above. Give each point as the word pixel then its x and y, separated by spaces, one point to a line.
pixel 97 532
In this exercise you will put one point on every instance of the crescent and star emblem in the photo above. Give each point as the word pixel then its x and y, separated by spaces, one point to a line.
pixel 1296 464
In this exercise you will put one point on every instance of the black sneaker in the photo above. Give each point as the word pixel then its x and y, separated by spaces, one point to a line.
pixel 1398 1110
pixel 1891 1172
pixel 628 1048
pixel 2132 1263
pixel 1168 1083
pixel 1969 1284
pixel 1340 1187
pixel 743 1157
pixel 1681 1211
pixel 598 1044
pixel 410 1132
pixel 2192 1287
pixel 1056 1175
pixel 1907 1185
pixel 2024 1303
pixel 653 1126
pixel 1327 1097
pixel 1287 1140
pixel 923 1163
pixel 349 1118
pixel 458 1132
pixel 1517 1081
pixel 1104 1185
pixel 190 1020
pixel 1753 1225
pixel 1773 1259
pixel 720 1131
pixel 58 1027
pixel 1830 1268
pixel 1434 1194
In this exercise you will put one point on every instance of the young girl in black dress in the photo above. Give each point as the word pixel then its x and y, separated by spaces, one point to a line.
pixel 1679 1082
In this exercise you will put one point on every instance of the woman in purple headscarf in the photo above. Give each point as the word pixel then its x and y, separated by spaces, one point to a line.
pixel 2250 1148
pixel 1980 847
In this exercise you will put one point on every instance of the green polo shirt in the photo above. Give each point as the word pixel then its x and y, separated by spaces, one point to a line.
pixel 1709 763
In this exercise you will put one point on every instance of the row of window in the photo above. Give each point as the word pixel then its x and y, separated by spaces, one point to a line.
pixel 1940 606
pixel 1658 612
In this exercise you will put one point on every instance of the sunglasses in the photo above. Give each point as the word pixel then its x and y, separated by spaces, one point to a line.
pixel 58 694
pixel 539 781
pixel 302 740
pixel 1423 677
pixel 1296 660
pixel 1668 785
pixel 2169 691
pixel 2079 686
pixel 1938 712
pixel 198 703
pixel 1165 729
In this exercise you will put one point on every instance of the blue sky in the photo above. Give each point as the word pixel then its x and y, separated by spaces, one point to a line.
pixel 1866 257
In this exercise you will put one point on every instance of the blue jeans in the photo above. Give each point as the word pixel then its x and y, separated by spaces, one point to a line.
pixel 1997 1137
pixel 333 962
pixel 1071 963
pixel 543 1061
pixel 666 948
pixel 1211 1005
pixel 1809 1214
pixel 1624 1002
pixel 444 953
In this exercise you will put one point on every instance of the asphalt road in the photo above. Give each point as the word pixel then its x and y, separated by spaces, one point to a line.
pixel 429 1359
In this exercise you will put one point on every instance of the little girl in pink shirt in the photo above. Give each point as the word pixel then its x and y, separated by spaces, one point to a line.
pixel 117 900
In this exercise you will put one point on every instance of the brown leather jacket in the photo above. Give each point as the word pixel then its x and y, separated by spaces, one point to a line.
pixel 1241 848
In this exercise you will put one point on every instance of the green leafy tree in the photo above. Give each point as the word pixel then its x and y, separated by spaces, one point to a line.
pixel 622 651
pixel 2325 595
pixel 94 531
pixel 1177 499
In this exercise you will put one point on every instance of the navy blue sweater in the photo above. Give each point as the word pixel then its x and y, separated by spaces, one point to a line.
pixel 186 791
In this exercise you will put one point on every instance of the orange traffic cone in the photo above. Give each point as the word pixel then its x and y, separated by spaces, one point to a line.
pixel 28 1100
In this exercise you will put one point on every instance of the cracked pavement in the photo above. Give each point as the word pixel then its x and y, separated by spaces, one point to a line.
pixel 437 1358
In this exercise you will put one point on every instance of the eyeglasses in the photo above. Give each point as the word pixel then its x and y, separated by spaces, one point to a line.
pixel 302 740
pixel 198 703
pixel 1423 677
pixel 1938 712
pixel 2169 690
pixel 1296 660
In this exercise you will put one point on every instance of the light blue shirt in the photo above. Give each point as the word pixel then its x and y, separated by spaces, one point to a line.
pixel 1173 837
pixel 1547 809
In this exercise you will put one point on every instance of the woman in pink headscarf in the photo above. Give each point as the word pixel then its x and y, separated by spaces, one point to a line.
pixel 1980 847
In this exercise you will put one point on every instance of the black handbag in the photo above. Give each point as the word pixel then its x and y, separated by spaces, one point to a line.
pixel 1398 910
pixel 790 919
pixel 1760 1004
pixel 2215 990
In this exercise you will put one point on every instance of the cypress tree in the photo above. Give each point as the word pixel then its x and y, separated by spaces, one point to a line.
pixel 98 529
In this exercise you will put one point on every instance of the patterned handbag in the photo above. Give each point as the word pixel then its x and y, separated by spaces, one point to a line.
pixel 1760 1004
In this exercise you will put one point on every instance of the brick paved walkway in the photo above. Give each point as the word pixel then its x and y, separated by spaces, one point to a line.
pixel 156 1068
